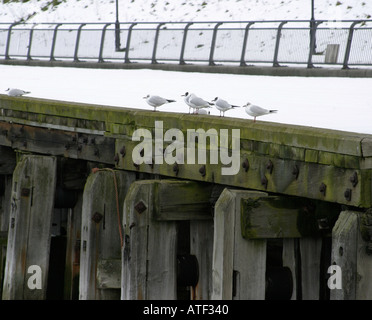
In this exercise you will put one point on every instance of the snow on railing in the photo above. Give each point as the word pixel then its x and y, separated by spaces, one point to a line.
pixel 277 43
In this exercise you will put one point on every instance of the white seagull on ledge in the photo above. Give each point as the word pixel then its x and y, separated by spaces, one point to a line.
pixel 256 111
pixel 156 101
pixel 16 92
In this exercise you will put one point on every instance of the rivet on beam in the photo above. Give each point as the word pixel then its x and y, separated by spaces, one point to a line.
pixel 347 194
pixel 270 166
pixel 175 168
pixel 123 151
pixel 245 164
pixel 322 189
pixel 354 179
pixel 202 170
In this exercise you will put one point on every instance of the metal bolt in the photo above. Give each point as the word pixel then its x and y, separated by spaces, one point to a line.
pixel 270 166
pixel 202 170
pixel 123 151
pixel 323 224
pixel 140 207
pixel 322 189
pixel 354 179
pixel 175 168
pixel 245 164
pixel 347 194
pixel 97 217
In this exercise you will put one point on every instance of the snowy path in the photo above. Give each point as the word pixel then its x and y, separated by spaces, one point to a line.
pixel 334 103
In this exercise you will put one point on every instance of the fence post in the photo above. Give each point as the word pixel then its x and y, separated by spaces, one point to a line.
pixel 8 40
pixel 312 43
pixel 54 42
pixel 153 60
pixel 100 59
pixel 245 40
pixel 348 46
pixel 278 35
pixel 126 60
pixel 76 59
pixel 213 44
pixel 30 43
pixel 182 61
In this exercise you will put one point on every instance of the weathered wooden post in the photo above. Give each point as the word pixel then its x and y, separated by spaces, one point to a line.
pixel 101 234
pixel 151 211
pixel 32 202
pixel 239 265
pixel 350 253
pixel 72 270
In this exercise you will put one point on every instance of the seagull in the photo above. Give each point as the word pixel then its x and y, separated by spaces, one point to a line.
pixel 156 101
pixel 196 102
pixel 223 105
pixel 256 111
pixel 186 99
pixel 16 92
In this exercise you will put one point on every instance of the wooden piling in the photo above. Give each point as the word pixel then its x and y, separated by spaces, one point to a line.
pixel 151 211
pixel 101 233
pixel 32 201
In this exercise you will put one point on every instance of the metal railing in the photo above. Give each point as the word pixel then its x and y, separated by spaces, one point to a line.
pixel 343 43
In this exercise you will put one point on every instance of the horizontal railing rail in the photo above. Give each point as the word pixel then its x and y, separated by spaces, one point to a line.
pixel 300 42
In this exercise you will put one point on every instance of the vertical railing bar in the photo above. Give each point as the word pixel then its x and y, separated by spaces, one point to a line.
pixel 278 36
pixel 30 43
pixel 153 60
pixel 126 60
pixel 213 44
pixel 245 41
pixel 76 59
pixel 345 64
pixel 8 40
pixel 313 30
pixel 182 61
pixel 100 59
pixel 54 42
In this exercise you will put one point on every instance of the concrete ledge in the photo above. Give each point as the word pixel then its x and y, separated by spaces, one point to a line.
pixel 283 71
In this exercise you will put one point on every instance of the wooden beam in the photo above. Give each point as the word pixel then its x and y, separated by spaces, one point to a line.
pixel 32 201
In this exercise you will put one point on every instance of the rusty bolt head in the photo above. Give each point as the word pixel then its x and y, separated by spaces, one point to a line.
pixel 175 168
pixel 123 151
pixel 354 179
pixel 347 194
pixel 322 189
pixel 97 217
pixel 323 224
pixel 245 164
pixel 140 207
pixel 202 170
pixel 270 166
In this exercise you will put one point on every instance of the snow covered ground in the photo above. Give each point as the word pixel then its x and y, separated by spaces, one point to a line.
pixel 335 103
pixel 181 10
